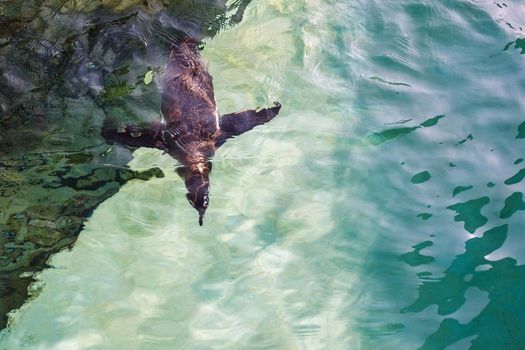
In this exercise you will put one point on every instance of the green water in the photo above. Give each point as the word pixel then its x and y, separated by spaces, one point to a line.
pixel 382 209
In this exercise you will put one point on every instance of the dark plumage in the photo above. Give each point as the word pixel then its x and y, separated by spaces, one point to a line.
pixel 191 129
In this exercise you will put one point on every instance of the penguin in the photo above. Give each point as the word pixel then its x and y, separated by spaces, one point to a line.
pixel 190 129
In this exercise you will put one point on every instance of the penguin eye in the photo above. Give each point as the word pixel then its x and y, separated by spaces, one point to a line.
pixel 205 201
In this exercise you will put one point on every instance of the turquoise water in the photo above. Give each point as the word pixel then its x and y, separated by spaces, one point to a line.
pixel 382 209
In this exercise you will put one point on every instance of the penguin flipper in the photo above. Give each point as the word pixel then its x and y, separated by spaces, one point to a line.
pixel 234 124
pixel 135 136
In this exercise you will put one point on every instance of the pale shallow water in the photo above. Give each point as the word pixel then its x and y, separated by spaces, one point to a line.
pixel 330 227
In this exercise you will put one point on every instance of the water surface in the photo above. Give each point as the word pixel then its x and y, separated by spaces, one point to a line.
pixel 382 209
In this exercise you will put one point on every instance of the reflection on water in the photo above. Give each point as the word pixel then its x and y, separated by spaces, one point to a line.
pixel 382 210
pixel 498 325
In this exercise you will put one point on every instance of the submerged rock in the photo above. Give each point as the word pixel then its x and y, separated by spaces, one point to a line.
pixel 44 202
pixel 64 69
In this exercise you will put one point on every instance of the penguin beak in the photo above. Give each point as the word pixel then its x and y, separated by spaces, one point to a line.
pixel 201 217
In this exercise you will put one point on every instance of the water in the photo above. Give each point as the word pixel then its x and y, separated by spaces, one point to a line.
pixel 382 209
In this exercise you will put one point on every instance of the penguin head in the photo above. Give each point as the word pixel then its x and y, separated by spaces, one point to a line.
pixel 197 184
pixel 199 199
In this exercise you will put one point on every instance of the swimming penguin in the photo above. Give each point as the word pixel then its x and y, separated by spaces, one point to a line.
pixel 191 129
